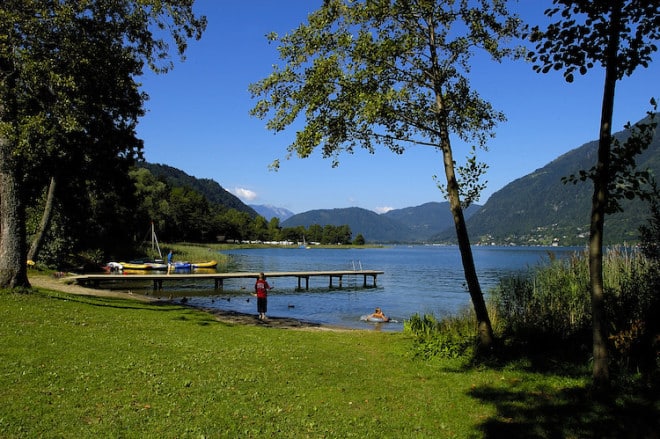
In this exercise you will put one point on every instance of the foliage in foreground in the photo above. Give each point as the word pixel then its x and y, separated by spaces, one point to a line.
pixel 549 307
pixel 449 337
pixel 79 366
pixel 546 312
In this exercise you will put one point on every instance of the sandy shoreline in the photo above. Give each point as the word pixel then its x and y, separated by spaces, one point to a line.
pixel 231 317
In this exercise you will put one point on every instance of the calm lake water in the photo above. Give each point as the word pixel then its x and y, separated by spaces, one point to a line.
pixel 417 279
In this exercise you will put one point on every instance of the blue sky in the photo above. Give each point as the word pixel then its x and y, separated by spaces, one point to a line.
pixel 198 119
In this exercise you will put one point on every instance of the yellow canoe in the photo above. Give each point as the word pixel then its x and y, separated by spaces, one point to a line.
pixel 152 266
pixel 209 264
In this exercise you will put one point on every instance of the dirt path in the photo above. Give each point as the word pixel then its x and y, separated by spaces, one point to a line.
pixel 59 284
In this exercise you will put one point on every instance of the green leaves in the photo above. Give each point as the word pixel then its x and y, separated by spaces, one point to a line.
pixel 69 99
pixel 584 30
pixel 368 73
pixel 391 74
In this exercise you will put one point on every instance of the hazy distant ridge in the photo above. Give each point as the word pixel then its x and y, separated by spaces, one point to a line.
pixel 412 224
pixel 269 212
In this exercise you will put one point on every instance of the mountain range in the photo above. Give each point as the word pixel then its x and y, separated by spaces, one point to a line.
pixel 411 224
pixel 538 206
pixel 537 209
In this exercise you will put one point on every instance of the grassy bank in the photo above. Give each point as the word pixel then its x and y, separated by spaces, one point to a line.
pixel 77 366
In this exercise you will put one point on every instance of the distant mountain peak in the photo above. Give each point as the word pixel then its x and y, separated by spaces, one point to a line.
pixel 269 212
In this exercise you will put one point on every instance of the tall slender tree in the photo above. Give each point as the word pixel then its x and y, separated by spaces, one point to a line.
pixel 392 73
pixel 620 36
pixel 67 86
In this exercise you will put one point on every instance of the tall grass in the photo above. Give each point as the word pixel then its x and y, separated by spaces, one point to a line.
pixel 550 306
pixel 198 253
pixel 556 298
pixel 552 299
pixel 547 309
pixel 449 337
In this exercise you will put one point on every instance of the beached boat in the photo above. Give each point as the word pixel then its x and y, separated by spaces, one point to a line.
pixel 209 264
pixel 155 263
pixel 185 265
pixel 181 265
pixel 145 265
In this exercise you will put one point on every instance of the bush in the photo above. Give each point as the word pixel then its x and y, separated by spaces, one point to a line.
pixel 550 306
pixel 450 337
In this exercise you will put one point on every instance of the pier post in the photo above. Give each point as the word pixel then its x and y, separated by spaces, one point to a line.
pixel 306 282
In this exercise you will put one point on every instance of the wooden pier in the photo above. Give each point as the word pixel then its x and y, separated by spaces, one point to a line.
pixel 95 280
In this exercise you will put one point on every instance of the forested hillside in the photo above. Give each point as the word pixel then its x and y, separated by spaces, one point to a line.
pixel 210 189
pixel 374 227
pixel 539 209
pixel 428 219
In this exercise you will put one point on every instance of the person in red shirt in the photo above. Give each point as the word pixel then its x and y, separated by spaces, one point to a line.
pixel 261 288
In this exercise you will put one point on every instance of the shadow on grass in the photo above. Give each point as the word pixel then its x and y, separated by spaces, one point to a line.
pixel 185 313
pixel 526 409
pixel 571 413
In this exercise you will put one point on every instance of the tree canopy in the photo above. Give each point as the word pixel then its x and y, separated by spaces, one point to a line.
pixel 68 95
pixel 393 74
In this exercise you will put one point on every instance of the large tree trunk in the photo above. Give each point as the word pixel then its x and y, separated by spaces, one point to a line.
pixel 45 221
pixel 13 262
pixel 601 374
pixel 13 266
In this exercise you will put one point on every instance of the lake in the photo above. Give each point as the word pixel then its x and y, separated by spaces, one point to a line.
pixel 416 279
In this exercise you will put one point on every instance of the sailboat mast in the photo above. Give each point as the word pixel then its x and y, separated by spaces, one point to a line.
pixel 154 242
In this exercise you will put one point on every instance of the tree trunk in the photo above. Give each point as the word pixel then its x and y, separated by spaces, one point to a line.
pixel 13 262
pixel 484 326
pixel 45 221
pixel 601 374
pixel 485 329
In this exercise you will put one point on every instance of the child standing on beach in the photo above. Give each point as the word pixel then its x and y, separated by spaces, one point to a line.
pixel 261 288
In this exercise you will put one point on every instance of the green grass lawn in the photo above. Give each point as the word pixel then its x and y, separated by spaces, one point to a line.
pixel 75 366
